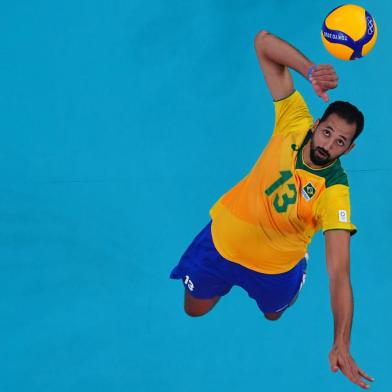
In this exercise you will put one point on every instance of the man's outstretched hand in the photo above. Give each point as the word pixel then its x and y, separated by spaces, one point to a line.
pixel 323 78
pixel 340 358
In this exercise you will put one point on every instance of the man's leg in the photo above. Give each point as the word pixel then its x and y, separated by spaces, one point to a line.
pixel 273 293
pixel 204 273
pixel 273 316
pixel 195 307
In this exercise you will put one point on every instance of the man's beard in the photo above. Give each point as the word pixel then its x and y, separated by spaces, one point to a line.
pixel 318 155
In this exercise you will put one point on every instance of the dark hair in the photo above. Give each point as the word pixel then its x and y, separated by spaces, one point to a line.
pixel 348 112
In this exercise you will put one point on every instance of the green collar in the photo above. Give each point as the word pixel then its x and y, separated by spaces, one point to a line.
pixel 333 174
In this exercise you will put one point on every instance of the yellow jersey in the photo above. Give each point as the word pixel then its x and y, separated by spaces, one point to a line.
pixel 267 220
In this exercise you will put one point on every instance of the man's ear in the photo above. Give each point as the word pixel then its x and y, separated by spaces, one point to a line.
pixel 350 148
pixel 315 124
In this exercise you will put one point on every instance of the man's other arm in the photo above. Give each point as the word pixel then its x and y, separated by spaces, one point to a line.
pixel 338 263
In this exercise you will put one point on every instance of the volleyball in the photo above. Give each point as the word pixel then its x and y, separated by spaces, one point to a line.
pixel 349 32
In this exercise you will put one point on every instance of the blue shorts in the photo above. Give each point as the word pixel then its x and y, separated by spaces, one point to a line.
pixel 206 274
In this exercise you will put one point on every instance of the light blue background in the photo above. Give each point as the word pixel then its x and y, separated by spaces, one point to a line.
pixel 122 122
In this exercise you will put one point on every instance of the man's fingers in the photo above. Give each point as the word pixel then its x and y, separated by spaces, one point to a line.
pixel 349 368
pixel 320 92
pixel 353 376
pixel 363 384
pixel 357 378
pixel 364 375
pixel 324 73
pixel 324 97
pixel 323 66
pixel 321 88
pixel 353 373
pixel 324 78
pixel 329 82
pixel 333 361
pixel 326 85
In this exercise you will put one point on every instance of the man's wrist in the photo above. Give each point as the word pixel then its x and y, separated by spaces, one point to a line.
pixel 341 344
pixel 310 71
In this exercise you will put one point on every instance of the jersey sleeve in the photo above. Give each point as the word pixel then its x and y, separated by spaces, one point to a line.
pixel 333 209
pixel 292 114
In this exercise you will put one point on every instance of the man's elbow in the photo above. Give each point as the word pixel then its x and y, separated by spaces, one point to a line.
pixel 260 39
pixel 339 278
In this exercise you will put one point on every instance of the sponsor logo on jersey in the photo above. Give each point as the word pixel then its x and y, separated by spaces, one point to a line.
pixel 343 216
pixel 308 191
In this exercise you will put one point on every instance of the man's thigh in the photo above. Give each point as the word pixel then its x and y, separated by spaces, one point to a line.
pixel 202 269
pixel 274 293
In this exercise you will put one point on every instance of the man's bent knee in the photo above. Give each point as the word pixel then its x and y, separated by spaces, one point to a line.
pixel 273 316
pixel 195 307
pixel 195 313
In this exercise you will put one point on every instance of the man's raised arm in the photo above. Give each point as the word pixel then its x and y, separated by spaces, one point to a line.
pixel 276 56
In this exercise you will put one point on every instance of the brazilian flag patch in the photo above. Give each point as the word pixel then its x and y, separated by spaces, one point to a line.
pixel 308 191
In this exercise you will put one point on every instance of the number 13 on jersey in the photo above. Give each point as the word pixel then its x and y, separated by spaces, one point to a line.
pixel 282 201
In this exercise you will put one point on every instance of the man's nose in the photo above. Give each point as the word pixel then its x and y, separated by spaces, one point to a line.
pixel 328 145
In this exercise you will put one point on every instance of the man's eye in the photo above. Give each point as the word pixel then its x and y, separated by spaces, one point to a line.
pixel 340 142
pixel 326 132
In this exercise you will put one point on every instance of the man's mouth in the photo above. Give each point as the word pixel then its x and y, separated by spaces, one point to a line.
pixel 322 153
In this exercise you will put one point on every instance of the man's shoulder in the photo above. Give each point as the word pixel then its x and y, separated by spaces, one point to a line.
pixel 292 114
pixel 337 175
